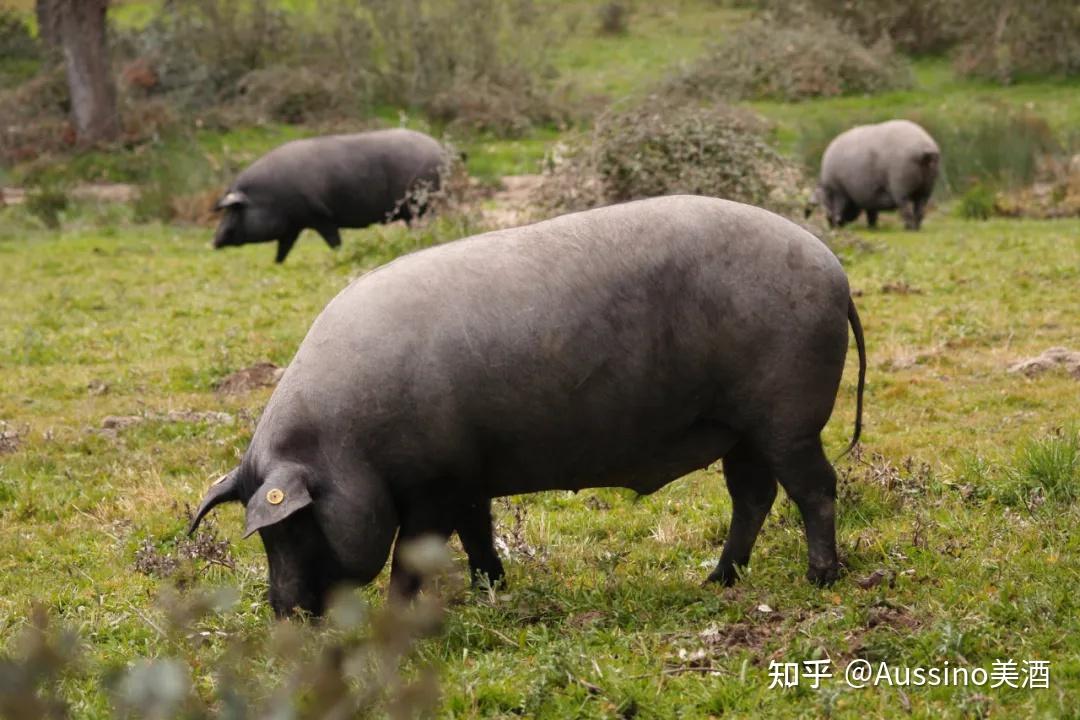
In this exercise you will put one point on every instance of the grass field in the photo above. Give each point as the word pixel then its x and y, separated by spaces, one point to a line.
pixel 604 610
pixel 957 518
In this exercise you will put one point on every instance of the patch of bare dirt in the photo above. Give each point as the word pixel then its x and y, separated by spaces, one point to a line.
pixel 112 424
pixel 10 438
pixel 1057 195
pixel 263 374
pixel 1052 359
pixel 511 204
pixel 97 192
pixel 900 287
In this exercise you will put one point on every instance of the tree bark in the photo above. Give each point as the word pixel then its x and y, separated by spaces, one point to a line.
pixel 81 26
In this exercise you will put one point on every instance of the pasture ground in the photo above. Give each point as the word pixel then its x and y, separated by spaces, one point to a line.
pixel 957 519
pixel 963 500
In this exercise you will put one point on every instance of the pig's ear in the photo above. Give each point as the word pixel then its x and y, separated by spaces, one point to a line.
pixel 282 494
pixel 231 198
pixel 223 490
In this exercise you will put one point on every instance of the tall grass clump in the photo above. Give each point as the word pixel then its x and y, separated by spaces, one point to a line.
pixel 769 59
pixel 994 146
pixel 650 149
pixel 1044 469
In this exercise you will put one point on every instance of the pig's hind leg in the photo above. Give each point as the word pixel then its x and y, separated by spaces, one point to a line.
pixel 753 490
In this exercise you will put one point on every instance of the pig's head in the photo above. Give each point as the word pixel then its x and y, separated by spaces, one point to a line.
pixel 244 221
pixel 318 535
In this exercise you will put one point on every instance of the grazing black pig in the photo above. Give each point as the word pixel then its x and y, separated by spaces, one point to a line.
pixel 888 166
pixel 625 346
pixel 326 183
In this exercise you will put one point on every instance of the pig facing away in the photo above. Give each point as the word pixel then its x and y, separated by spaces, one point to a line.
pixel 888 166
pixel 326 183
pixel 625 346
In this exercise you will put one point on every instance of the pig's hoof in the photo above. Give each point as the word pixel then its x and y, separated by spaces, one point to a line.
pixel 726 575
pixel 823 576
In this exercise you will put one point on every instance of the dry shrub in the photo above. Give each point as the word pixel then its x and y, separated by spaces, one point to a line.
pixel 1003 41
pixel 765 60
pixel 1055 195
pixel 479 105
pixel 482 63
pixel 360 662
pixel 914 26
pixel 652 150
pixel 294 95
pixel 614 18
pixel 34 117
pixel 996 39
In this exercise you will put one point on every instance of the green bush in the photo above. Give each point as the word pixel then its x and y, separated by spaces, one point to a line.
pixel 977 203
pixel 651 150
pixel 16 41
pixel 46 202
pixel 763 59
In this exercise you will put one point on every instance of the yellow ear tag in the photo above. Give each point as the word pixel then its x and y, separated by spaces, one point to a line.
pixel 275 496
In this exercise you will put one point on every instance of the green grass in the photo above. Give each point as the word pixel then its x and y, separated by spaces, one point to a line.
pixel 595 624
pixel 965 495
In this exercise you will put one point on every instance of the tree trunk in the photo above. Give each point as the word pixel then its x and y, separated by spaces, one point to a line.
pixel 81 25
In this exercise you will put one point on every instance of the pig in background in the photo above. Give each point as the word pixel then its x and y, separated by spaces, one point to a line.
pixel 327 183
pixel 888 166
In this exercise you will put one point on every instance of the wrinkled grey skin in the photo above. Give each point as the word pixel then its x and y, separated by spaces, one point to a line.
pixel 888 166
pixel 326 183
pixel 625 346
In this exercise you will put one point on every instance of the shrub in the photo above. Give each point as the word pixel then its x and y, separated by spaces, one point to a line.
pixel 614 18
pixel 1003 41
pixel 183 188
pixel 764 60
pixel 46 202
pixel 361 662
pixel 997 39
pixel 33 117
pixel 20 54
pixel 977 203
pixel 293 95
pixel 651 150
pixel 477 61
pixel 915 26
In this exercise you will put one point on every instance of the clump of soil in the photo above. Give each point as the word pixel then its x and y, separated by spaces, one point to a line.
pixel 263 374
pixel 1052 359
pixel 10 439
